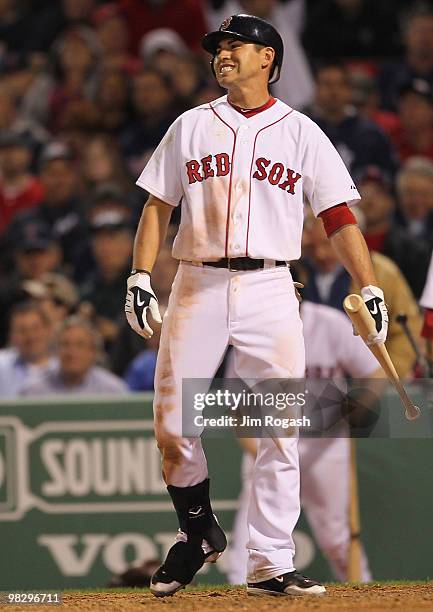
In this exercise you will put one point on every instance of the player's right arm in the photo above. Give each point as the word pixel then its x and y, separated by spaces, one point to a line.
pixel 150 236
pixel 151 233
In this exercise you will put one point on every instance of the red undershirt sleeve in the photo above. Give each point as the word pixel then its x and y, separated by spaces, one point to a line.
pixel 335 217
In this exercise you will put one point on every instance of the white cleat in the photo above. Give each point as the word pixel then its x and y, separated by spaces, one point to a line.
pixel 291 583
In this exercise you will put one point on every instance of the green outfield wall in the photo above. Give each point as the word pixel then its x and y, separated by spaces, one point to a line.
pixel 81 496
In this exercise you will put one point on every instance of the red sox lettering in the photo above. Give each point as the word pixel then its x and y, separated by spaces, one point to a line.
pixel 276 173
pixel 193 167
pixel 219 165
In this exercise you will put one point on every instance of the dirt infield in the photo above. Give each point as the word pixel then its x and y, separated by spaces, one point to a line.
pixel 374 598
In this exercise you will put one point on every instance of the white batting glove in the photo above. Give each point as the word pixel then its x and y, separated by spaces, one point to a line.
pixel 375 302
pixel 139 298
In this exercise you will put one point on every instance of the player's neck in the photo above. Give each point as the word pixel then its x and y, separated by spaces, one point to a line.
pixel 248 98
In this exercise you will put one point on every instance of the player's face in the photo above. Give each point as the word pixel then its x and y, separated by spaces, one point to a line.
pixel 237 61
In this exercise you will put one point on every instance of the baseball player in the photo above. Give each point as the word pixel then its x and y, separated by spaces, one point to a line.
pixel 331 352
pixel 241 166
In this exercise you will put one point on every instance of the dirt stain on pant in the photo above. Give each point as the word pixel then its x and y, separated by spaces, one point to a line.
pixel 168 397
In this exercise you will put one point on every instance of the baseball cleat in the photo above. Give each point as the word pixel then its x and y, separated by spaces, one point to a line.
pixel 162 584
pixel 181 565
pixel 291 583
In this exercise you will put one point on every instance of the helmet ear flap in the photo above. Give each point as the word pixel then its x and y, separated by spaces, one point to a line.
pixel 276 72
pixel 212 66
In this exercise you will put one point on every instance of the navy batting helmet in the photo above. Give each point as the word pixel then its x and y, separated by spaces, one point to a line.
pixel 250 29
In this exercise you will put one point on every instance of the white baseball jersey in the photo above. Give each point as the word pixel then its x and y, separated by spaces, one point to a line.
pixel 242 181
pixel 427 295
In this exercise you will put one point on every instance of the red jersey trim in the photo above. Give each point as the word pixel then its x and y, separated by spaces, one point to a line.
pixel 230 181
pixel 251 169
pixel 253 111
pixel 335 217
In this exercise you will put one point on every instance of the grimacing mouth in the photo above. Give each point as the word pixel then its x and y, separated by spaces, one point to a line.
pixel 225 68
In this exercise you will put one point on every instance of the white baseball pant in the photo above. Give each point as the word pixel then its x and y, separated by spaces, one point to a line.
pixel 258 313
pixel 324 465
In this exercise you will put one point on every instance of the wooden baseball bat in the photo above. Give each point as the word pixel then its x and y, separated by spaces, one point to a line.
pixel 354 559
pixel 364 324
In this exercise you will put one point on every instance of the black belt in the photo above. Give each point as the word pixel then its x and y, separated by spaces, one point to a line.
pixel 240 264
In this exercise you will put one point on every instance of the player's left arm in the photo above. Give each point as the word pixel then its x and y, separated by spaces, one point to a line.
pixel 352 251
pixel 349 244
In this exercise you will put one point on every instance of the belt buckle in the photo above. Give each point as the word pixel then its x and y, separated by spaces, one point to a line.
pixel 229 259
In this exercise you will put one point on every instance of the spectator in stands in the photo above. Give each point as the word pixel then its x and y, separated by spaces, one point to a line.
pixel 112 241
pixel 385 236
pixel 62 207
pixel 184 16
pixel 28 356
pixel 76 55
pixel 113 38
pixel 415 136
pixel 187 80
pixel 56 295
pixel 153 103
pixel 418 60
pixel 110 197
pixel 102 163
pixel 34 252
pixel 161 49
pixel 415 196
pixel 78 347
pixel 11 119
pixel 35 247
pixel 78 11
pixel 366 99
pixel 19 188
pixel 112 101
pixel 327 282
pixel 351 28
pixel 285 18
pixel 25 28
pixel 360 142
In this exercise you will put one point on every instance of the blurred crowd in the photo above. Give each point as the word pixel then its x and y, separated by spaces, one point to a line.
pixel 87 90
